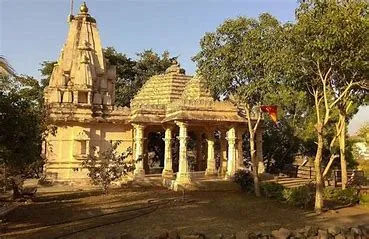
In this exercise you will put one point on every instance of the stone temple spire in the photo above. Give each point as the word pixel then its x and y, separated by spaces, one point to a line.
pixel 82 77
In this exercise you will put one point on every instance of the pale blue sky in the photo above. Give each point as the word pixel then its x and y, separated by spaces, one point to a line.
pixel 32 31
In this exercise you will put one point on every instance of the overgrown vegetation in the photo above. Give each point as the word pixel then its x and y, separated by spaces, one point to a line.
pixel 244 179
pixel 107 166
pixel 302 196
pixel 344 196
pixel 313 68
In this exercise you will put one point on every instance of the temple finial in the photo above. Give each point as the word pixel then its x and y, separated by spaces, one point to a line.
pixel 83 9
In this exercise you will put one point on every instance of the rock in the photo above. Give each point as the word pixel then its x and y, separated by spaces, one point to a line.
pixel 311 231
pixel 242 235
pixel 364 229
pixel 258 234
pixel 356 231
pixel 350 235
pixel 339 236
pixel 299 235
pixel 252 235
pixel 282 233
pixel 323 234
pixel 219 236
pixel 334 230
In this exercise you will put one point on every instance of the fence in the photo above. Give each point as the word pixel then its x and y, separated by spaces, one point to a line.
pixel 308 172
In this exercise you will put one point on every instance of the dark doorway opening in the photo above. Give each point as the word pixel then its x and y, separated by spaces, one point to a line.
pixel 155 153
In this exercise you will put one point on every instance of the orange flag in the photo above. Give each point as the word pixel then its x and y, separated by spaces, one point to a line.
pixel 271 110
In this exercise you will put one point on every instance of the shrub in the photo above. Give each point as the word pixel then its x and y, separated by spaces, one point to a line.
pixel 363 165
pixel 344 196
pixel 364 200
pixel 272 190
pixel 302 196
pixel 244 179
pixel 108 166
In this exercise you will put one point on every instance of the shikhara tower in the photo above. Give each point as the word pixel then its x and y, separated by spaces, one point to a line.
pixel 82 77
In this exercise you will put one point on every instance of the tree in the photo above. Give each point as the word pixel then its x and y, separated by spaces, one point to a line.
pixel 329 55
pixel 108 166
pixel 363 132
pixel 132 74
pixel 238 61
pixel 46 71
pixel 294 135
pixel 22 126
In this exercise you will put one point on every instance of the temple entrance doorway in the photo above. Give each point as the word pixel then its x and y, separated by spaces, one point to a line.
pixel 154 153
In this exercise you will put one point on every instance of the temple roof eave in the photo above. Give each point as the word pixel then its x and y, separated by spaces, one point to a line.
pixel 204 116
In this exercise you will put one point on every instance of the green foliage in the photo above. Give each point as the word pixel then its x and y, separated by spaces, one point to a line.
pixel 272 190
pixel 344 196
pixel 132 74
pixel 23 125
pixel 107 166
pixel 245 180
pixel 363 165
pixel 240 58
pixel 46 71
pixel 363 132
pixel 364 199
pixel 302 196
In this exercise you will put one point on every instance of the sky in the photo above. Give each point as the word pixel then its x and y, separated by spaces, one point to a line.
pixel 32 31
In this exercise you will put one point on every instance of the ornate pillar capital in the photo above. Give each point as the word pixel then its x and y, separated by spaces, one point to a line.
pixel 138 126
pixel 181 124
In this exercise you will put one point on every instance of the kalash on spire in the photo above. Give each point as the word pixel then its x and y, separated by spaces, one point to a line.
pixel 81 78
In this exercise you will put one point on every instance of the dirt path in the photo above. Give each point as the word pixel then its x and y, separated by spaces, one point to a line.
pixel 150 211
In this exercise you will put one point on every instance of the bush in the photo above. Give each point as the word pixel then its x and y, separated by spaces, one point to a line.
pixel 345 196
pixel 303 196
pixel 364 200
pixel 108 166
pixel 245 180
pixel 272 190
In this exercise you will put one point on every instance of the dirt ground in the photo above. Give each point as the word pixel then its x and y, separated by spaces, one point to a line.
pixel 152 210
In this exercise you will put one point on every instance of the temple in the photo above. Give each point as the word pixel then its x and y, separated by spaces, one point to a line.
pixel 200 135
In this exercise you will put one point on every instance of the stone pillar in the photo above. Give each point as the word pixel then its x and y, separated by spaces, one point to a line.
pixel 210 165
pixel 239 142
pixel 231 164
pixel 259 151
pixel 223 153
pixel 183 177
pixel 199 156
pixel 139 150
pixel 168 168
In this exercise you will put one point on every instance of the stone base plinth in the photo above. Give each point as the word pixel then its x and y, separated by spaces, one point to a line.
pixel 167 173
pixel 138 174
pixel 182 181
pixel 211 172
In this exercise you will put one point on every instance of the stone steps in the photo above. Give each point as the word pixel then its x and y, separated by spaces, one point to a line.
pixel 293 182
pixel 199 182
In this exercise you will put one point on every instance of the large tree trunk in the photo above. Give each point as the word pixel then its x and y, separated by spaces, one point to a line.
pixel 254 158
pixel 255 165
pixel 318 173
pixel 342 139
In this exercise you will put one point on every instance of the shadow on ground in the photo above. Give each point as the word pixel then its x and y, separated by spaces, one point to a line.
pixel 152 210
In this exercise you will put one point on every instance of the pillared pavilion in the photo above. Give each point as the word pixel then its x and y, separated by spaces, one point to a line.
pixel 200 134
